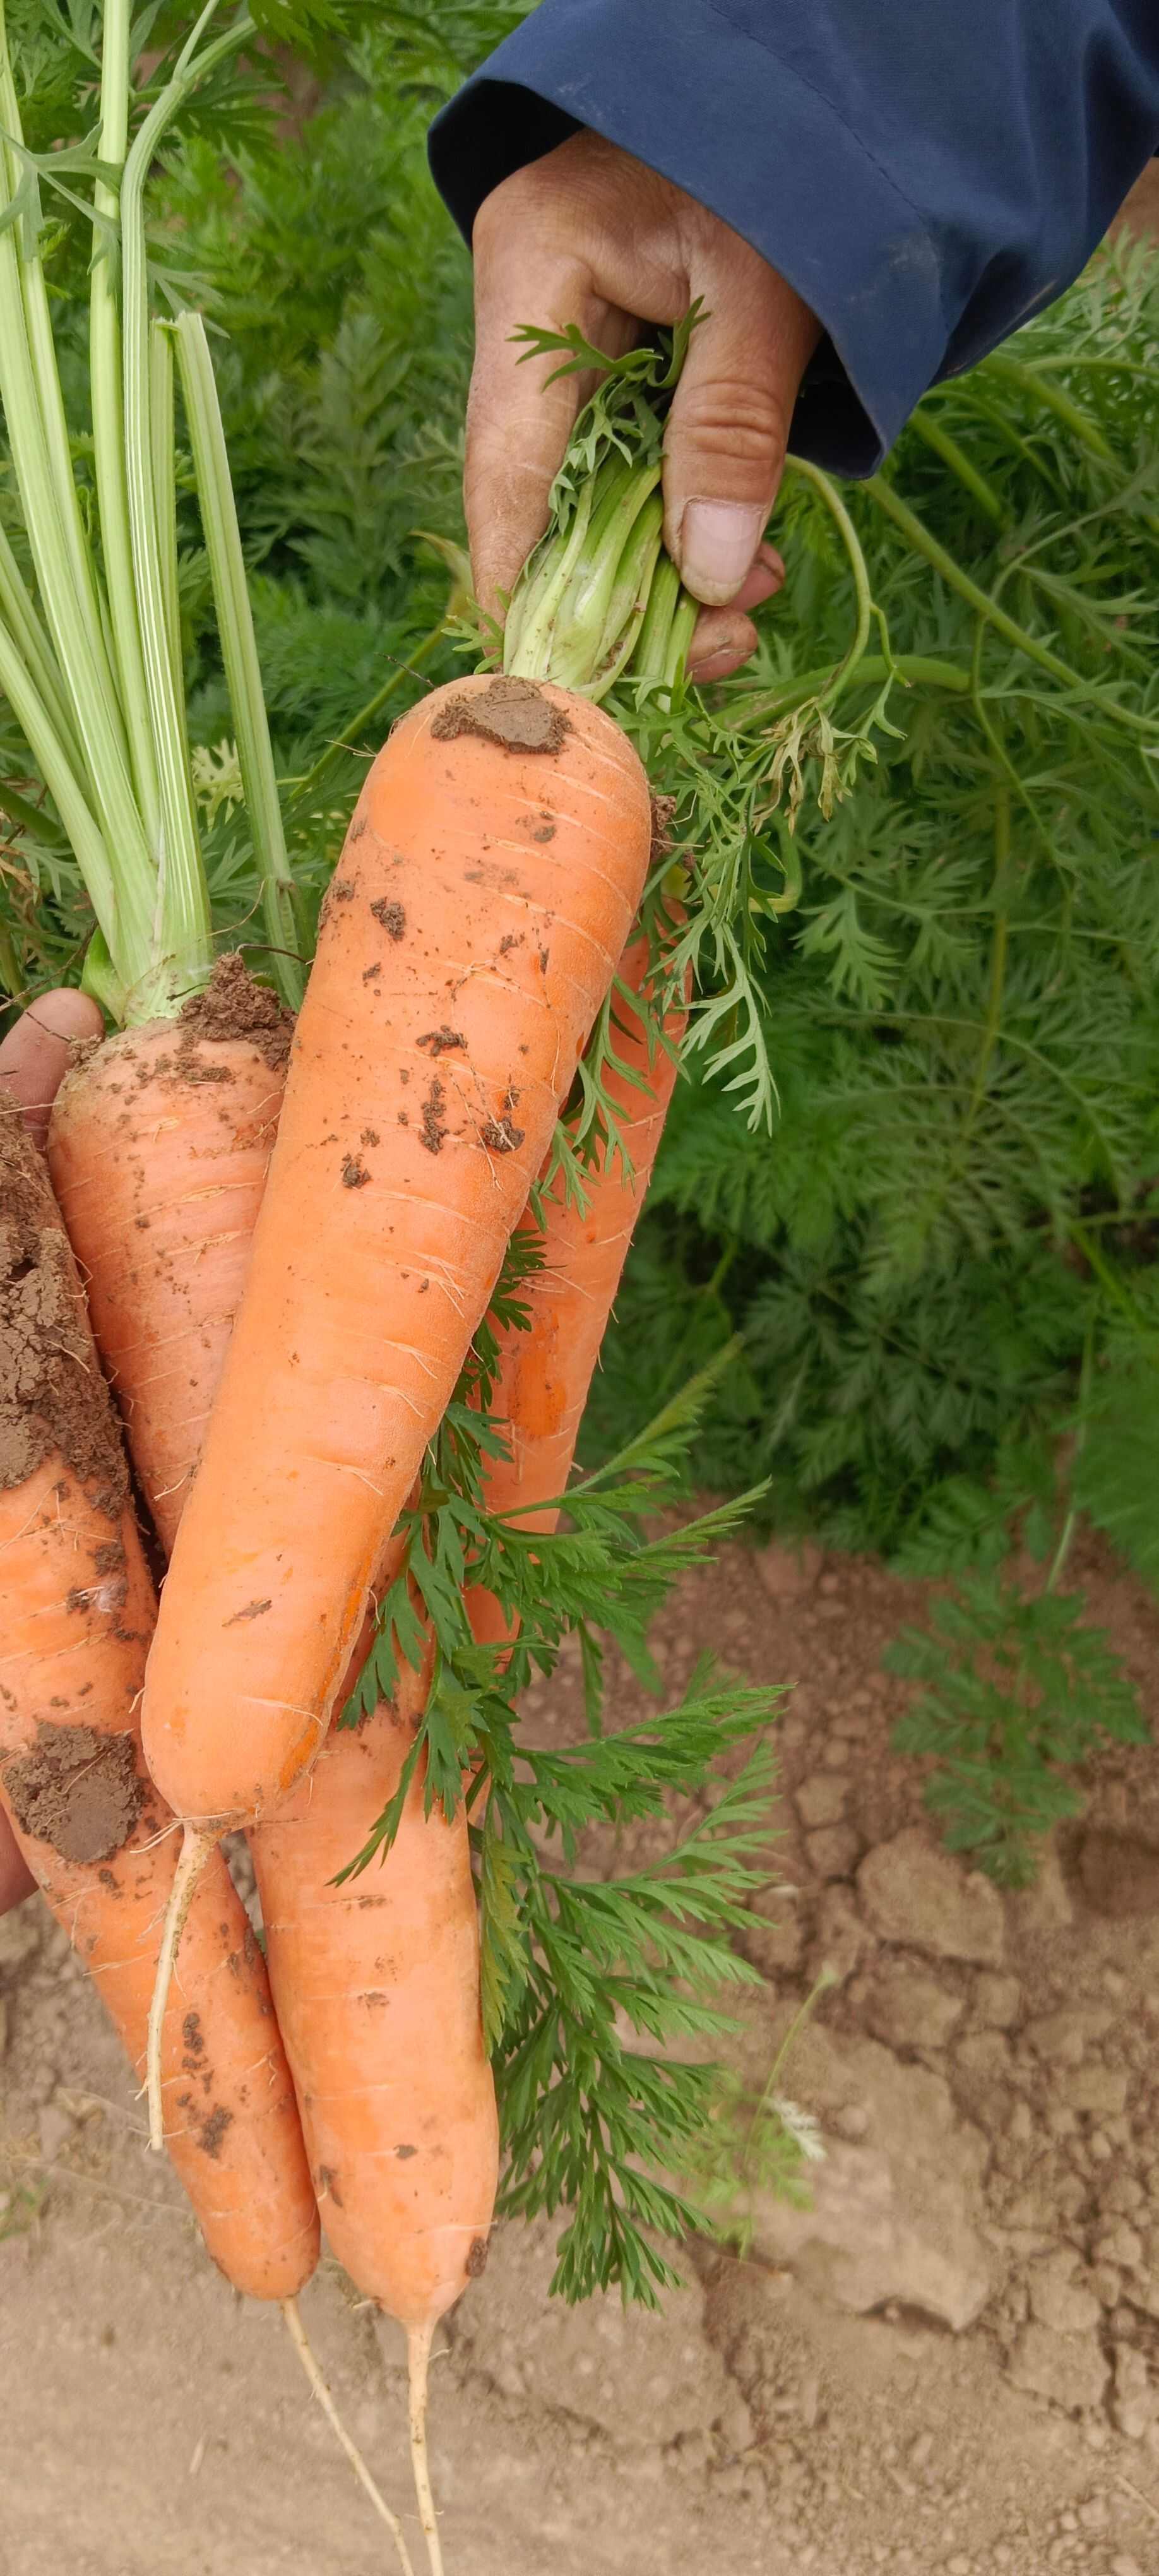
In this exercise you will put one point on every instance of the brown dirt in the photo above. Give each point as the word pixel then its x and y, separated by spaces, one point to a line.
pixel 985 2078
pixel 52 1395
pixel 77 1790
pixel 433 1125
pixel 233 1006
pixel 393 919
pixel 514 714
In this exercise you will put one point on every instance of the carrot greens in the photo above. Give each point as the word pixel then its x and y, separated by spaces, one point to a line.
pixel 90 650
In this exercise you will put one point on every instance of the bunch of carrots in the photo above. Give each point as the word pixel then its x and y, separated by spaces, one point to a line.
pixel 290 1203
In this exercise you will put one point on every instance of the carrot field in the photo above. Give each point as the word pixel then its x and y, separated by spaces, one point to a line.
pixel 579 1409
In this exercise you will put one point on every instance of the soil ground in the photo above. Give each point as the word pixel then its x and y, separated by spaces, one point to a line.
pixel 947 2368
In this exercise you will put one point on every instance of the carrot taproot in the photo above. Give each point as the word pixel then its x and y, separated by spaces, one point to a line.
pixel 158 1147
pixel 487 886
pixel 76 1612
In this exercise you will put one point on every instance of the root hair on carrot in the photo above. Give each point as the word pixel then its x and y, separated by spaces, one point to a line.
pixel 310 2364
pixel 418 2355
pixel 195 1850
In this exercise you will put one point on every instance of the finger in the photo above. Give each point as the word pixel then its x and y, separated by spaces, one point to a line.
pixel 729 424
pixel 723 640
pixel 16 1880
pixel 35 1054
pixel 725 637
pixel 518 422
pixel 763 582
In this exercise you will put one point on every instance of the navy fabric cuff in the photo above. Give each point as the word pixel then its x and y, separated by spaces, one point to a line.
pixel 796 177
pixel 910 219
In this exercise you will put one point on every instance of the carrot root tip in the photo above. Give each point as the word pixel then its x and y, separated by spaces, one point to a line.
pixel 418 2354
pixel 309 2361
pixel 195 1850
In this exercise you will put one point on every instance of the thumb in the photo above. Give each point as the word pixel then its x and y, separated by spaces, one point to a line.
pixel 724 446
pixel 35 1054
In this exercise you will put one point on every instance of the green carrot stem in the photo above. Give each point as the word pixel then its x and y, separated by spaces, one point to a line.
pixel 284 926
pixel 52 760
pixel 680 636
pixel 105 362
pixel 42 352
pixel 828 494
pixel 918 536
pixel 929 429
pixel 919 670
pixel 28 635
pixel 162 433
pixel 84 671
pixel 183 904
pixel 650 661
pixel 1013 371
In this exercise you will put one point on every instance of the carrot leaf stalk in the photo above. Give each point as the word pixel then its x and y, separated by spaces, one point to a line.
pixel 92 664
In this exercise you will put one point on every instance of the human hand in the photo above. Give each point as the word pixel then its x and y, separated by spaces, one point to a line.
pixel 587 234
pixel 33 1062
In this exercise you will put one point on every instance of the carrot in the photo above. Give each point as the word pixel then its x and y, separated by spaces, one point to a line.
pixel 364 1973
pixel 158 1149
pixel 488 882
pixel 545 1372
pixel 76 1612
pixel 376 1985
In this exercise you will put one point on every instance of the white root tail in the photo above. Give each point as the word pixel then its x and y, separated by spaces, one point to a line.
pixel 309 2362
pixel 195 1851
pixel 418 2354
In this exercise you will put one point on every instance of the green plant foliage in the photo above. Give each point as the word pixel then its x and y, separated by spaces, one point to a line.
pixel 591 1983
pixel 1017 1691
pixel 961 1011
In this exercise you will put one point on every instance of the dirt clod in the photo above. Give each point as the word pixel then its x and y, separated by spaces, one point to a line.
pixel 233 1006
pixel 354 1172
pixel 511 713
pixel 77 1790
pixel 52 1395
pixel 212 2131
pixel 441 1041
pixel 433 1127
pixel 501 1137
pixel 476 2263
pixel 663 810
pixel 391 915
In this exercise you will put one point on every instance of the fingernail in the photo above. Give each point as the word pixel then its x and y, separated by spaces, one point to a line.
pixel 718 540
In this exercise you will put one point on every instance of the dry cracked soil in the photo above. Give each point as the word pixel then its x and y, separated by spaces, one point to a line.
pixel 947 2366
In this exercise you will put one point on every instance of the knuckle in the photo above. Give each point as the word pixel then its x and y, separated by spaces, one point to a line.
pixel 726 416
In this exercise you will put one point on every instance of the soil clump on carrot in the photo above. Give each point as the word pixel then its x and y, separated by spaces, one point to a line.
pixel 78 1790
pixel 232 1005
pixel 512 713
pixel 50 1396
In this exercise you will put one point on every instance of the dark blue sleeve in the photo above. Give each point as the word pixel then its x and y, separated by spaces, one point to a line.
pixel 926 173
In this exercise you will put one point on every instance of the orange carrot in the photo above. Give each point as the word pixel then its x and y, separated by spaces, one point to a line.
pixel 76 1612
pixel 376 1985
pixel 376 1981
pixel 489 879
pixel 545 1372
pixel 158 1150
